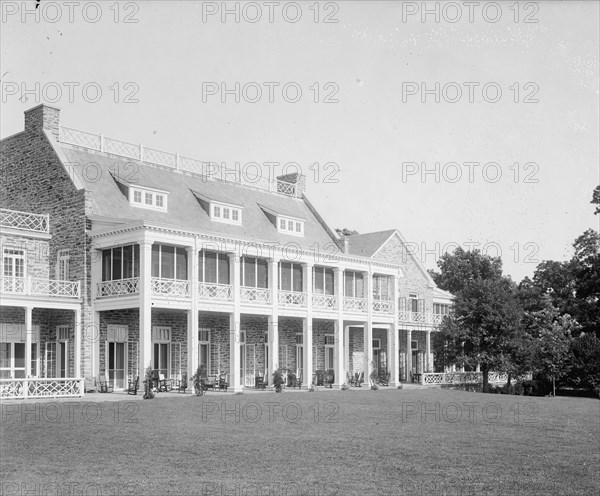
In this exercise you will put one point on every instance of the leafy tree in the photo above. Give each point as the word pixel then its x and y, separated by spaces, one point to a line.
pixel 461 267
pixel 484 324
pixel 585 362
pixel 596 199
pixel 345 232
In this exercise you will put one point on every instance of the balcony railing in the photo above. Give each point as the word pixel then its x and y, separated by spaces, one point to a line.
pixel 292 298
pixel 437 318
pixel 415 317
pixel 355 304
pixel 34 286
pixel 255 295
pixel 466 377
pixel 170 287
pixel 325 302
pixel 119 287
pixel 24 221
pixel 214 291
pixel 382 306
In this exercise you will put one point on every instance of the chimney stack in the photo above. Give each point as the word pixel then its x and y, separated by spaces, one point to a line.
pixel 43 117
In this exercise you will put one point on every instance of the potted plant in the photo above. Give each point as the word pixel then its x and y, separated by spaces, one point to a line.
pixel 278 380
pixel 148 381
pixel 197 379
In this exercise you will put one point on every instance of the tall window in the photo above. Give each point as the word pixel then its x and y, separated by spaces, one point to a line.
pixel 213 267
pixel 62 265
pixel 161 346
pixel 441 308
pixel 204 348
pixel 169 262
pixel 354 285
pixel 323 280
pixel 382 288
pixel 14 263
pixel 254 273
pixel 411 304
pixel 290 277
pixel 122 262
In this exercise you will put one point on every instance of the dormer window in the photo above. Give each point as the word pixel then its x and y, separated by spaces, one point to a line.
pixel 223 212
pixel 289 225
pixel 148 198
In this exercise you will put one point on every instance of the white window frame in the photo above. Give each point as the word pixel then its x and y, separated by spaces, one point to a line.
pixel 377 343
pixel 414 344
pixel 289 225
pixel 162 335
pixel 63 258
pixel 218 209
pixel 14 254
pixel 146 194
pixel 205 342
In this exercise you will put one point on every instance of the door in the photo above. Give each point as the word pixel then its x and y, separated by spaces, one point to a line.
pixel 62 359
pixel 116 364
pixel 14 270
pixel 377 361
pixel 12 360
pixel 329 357
pixel 414 364
pixel 161 358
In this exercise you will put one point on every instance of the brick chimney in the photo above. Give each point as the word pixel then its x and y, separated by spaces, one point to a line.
pixel 43 117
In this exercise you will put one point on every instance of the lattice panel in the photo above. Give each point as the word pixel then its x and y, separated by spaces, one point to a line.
pixel 121 148
pixel 382 306
pixel 325 302
pixel 255 295
pixel 286 188
pixel 119 287
pixel 355 304
pixel 79 138
pixel 170 287
pixel 24 220
pixel 211 291
pixel 292 298
pixel 158 157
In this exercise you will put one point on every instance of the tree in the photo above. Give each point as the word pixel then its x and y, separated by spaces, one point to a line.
pixel 585 362
pixel 461 267
pixel 345 232
pixel 549 339
pixel 484 324
pixel 596 199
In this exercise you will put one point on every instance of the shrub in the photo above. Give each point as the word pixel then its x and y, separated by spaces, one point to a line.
pixel 148 381
pixel 278 380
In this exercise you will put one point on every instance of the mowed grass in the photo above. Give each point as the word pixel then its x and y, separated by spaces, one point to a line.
pixel 327 442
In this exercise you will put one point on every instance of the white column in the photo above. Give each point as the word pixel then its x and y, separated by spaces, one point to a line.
pixel 347 348
pixel 428 364
pixel 77 344
pixel 368 326
pixel 94 336
pixel 145 307
pixel 234 327
pixel 192 314
pixel 394 339
pixel 273 319
pixel 28 336
pixel 307 327
pixel 340 351
pixel 408 355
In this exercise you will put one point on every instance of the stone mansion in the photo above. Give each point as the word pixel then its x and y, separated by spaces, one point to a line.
pixel 116 257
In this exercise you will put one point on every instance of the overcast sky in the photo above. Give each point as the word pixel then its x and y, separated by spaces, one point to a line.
pixel 161 79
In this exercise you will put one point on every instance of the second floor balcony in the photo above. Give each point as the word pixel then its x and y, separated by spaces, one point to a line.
pixel 34 286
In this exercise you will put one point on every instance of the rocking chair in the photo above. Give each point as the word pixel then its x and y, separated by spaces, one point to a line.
pixel 106 386
pixel 133 385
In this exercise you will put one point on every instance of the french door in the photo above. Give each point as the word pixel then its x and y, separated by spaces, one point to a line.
pixel 62 359
pixel 329 357
pixel 117 363
pixel 12 360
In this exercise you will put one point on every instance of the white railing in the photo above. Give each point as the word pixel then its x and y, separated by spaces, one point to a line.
pixel 292 298
pixel 415 317
pixel 286 188
pixel 325 301
pixel 25 221
pixel 172 160
pixel 355 304
pixel 255 295
pixel 382 306
pixel 118 287
pixel 41 388
pixel 213 291
pixel 430 378
pixel 170 287
pixel 437 319
pixel 34 286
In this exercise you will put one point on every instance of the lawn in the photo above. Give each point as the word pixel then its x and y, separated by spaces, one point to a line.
pixel 328 442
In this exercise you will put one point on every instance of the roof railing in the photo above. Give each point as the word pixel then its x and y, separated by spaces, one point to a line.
pixel 208 170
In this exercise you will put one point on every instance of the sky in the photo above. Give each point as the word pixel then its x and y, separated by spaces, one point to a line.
pixel 459 125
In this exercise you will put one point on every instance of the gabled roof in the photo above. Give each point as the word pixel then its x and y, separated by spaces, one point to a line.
pixel 185 211
pixel 367 244
pixel 442 294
